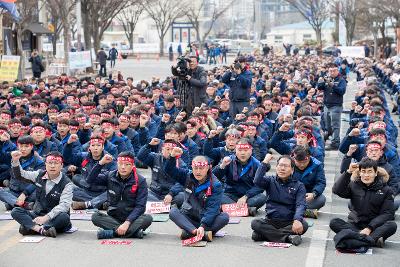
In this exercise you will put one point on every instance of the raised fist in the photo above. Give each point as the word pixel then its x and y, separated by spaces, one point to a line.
pixel 176 152
pixel 353 148
pixel 285 127
pixel 154 142
pixel 225 162
pixel 212 134
pixel 107 158
pixel 355 132
pixel 165 117
pixel 72 138
pixel 268 158
pixel 16 155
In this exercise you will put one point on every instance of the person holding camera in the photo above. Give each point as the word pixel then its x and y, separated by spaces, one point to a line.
pixel 37 65
pixel 239 80
pixel 334 87
pixel 192 83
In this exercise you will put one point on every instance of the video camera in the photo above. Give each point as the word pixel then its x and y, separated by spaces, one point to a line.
pixel 182 67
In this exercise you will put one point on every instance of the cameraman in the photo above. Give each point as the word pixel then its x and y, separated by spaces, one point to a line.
pixel 334 87
pixel 192 86
pixel 239 80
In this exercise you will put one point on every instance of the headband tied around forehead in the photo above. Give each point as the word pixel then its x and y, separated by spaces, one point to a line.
pixel 126 160
pixel 81 119
pixel 107 124
pixel 374 146
pixel 37 129
pixel 3 131
pixel 5 116
pixel 379 126
pixel 232 136
pixel 135 175
pixel 15 124
pixel 243 146
pixel 199 163
pixel 214 110
pixel 96 141
pixel 377 135
pixel 169 145
pixel 74 127
pixel 54 158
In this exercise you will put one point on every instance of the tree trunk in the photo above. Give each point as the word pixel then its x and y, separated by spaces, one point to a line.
pixel 318 33
pixel 162 46
pixel 375 44
pixel 382 30
pixel 20 52
pixel 398 39
pixel 66 39
pixel 54 42
pixel 131 40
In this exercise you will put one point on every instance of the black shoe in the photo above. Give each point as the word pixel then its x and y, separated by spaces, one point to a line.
pixel 51 232
pixel 105 205
pixel 256 237
pixel 105 234
pixel 326 136
pixel 139 234
pixel 24 231
pixel 8 206
pixel 295 239
pixel 380 243
pixel 186 235
pixel 208 236
pixel 331 148
pixel 252 211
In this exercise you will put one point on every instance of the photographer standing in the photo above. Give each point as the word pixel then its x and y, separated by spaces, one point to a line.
pixel 334 87
pixel 192 83
pixel 239 80
pixel 37 65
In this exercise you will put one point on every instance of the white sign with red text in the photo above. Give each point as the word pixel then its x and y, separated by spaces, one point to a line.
pixel 157 207
pixel 234 210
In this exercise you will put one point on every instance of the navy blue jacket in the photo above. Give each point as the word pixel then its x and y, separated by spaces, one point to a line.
pixel 282 145
pixel 207 207
pixel 133 136
pixel 238 179
pixel 313 177
pixel 5 154
pixel 30 163
pixel 124 205
pixel 45 147
pixel 85 163
pixel 239 85
pixel 161 182
pixel 217 153
pixel 333 96
pixel 286 200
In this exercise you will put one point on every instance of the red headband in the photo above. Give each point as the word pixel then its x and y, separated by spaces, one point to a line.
pixel 94 116
pixel 169 145
pixel 233 136
pixel 81 119
pixel 96 141
pixel 199 163
pixel 2 132
pixel 5 116
pixel 105 115
pixel 374 146
pixel 74 127
pixel 379 126
pixel 126 160
pixel 377 135
pixel 54 158
pixel 37 129
pixel 15 124
pixel 243 146
pixel 107 124
pixel 251 127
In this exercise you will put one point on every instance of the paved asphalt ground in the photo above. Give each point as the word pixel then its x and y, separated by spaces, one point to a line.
pixel 162 246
